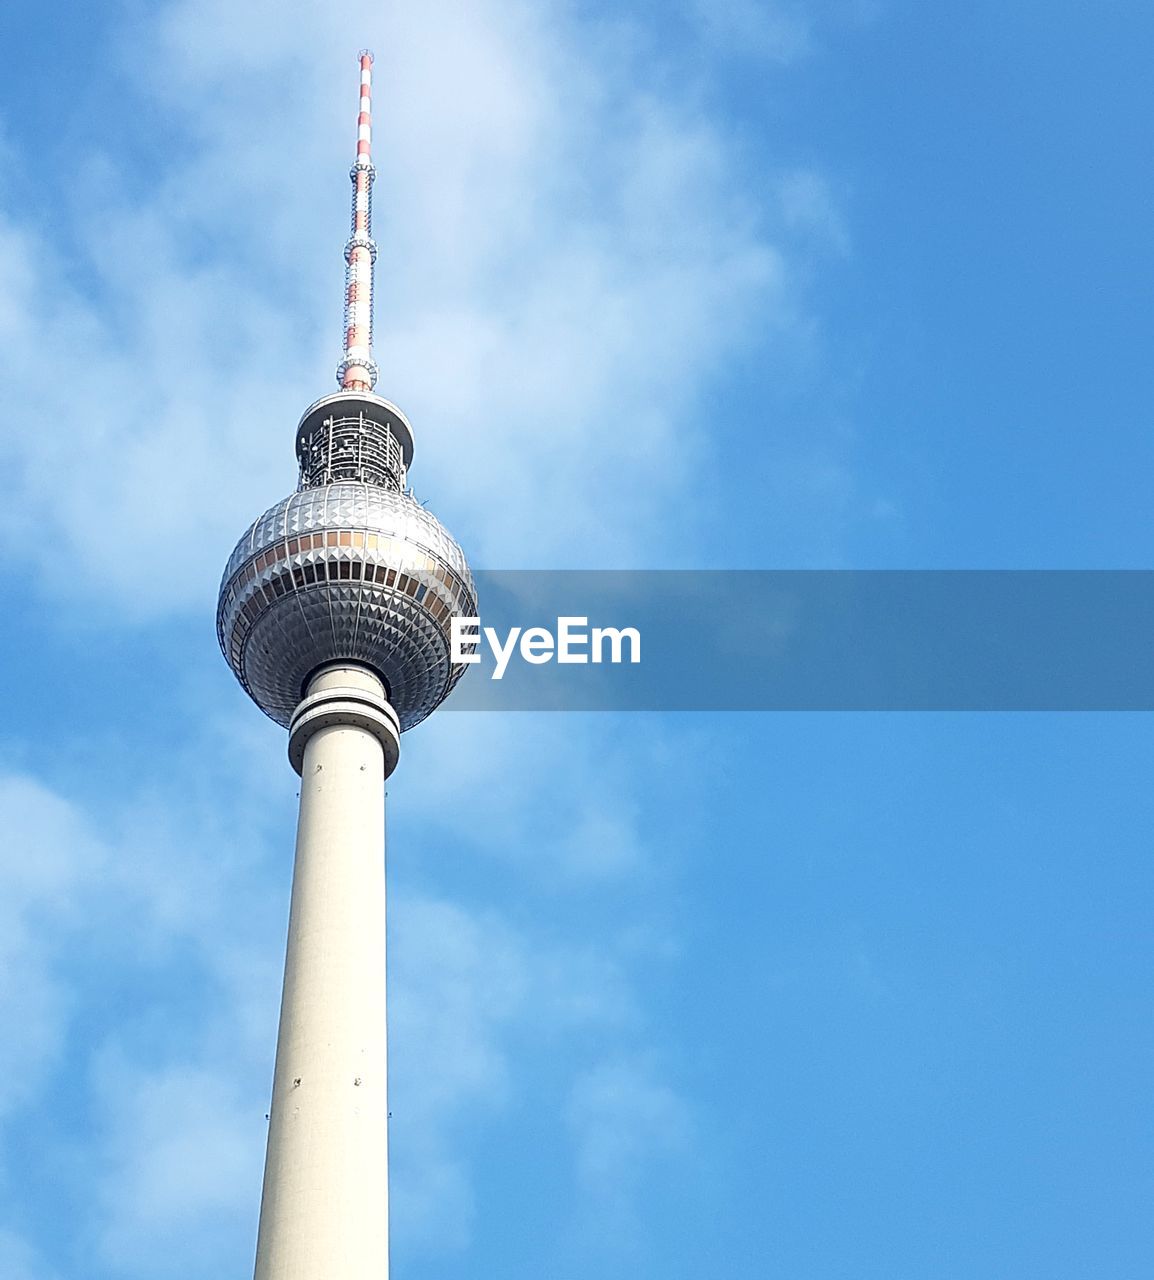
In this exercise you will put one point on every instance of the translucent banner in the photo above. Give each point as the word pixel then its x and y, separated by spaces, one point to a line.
pixel 810 641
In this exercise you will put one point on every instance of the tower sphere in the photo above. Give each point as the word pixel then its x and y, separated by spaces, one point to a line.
pixel 348 568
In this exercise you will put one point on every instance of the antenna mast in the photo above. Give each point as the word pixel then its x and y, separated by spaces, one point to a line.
pixel 357 372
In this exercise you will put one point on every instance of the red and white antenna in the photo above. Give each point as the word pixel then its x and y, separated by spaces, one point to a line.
pixel 357 372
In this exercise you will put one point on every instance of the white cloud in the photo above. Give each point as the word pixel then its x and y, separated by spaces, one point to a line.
pixel 623 1118
pixel 457 980
pixel 52 865
pixel 174 1085
pixel 780 32
pixel 180 1159
pixel 466 985
pixel 566 253
pixel 19 1260
pixel 136 897
pixel 808 205
pixel 776 31
pixel 552 793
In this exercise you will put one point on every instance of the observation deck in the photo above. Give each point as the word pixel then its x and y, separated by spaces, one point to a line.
pixel 354 435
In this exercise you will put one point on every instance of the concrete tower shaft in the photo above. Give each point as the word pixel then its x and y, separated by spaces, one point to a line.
pixel 324 1209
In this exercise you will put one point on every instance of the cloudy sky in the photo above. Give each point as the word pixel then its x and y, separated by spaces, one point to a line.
pixel 699 284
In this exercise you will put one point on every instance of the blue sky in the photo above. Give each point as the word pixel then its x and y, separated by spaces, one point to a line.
pixel 841 283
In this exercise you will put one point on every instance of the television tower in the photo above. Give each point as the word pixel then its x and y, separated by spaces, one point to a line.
pixel 334 615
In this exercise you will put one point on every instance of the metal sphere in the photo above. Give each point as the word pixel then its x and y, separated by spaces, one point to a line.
pixel 344 570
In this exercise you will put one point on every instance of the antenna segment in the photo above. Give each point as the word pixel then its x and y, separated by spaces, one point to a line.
pixel 357 372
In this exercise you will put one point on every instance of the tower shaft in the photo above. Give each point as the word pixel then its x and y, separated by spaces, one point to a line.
pixel 324 1209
